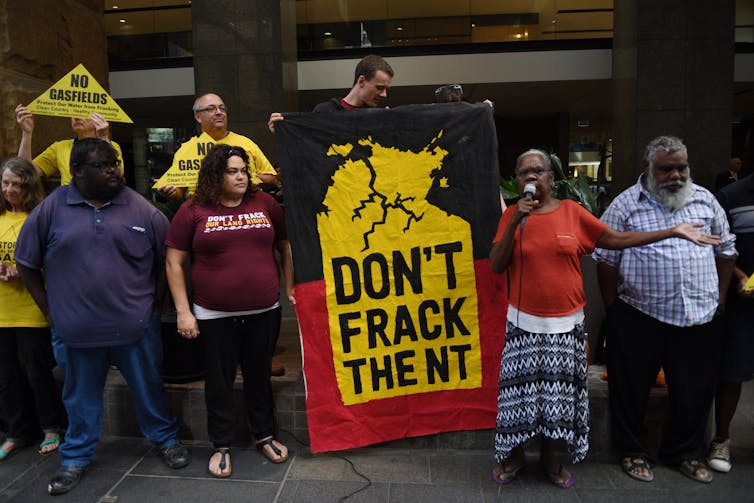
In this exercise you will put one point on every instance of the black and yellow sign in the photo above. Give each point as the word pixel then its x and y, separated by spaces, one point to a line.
pixel 78 94
pixel 390 216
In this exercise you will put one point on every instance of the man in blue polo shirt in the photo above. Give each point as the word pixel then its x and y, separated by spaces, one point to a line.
pixel 92 255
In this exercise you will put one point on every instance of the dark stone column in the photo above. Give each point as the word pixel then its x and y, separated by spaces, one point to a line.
pixel 42 41
pixel 672 74
pixel 245 51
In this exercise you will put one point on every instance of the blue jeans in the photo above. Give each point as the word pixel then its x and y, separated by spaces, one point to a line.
pixel 153 336
pixel 85 373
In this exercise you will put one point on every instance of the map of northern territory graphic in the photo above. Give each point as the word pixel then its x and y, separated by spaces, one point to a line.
pixel 399 275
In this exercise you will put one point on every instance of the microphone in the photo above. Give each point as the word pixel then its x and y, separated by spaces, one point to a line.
pixel 529 191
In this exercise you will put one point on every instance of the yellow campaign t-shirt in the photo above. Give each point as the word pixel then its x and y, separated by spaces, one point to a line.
pixel 57 159
pixel 17 307
pixel 193 151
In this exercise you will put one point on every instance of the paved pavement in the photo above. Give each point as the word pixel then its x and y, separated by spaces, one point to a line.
pixel 127 470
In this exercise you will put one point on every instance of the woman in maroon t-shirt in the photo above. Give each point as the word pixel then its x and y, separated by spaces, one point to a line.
pixel 231 230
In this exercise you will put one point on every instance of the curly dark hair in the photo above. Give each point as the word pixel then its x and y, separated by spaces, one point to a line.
pixel 209 187
pixel 30 183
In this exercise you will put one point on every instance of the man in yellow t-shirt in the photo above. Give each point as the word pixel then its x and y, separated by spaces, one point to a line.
pixel 211 114
pixel 56 158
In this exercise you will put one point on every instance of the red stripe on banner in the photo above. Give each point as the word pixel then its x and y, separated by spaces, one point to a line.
pixel 334 426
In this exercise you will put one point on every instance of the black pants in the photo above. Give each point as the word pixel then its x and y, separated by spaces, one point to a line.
pixel 26 363
pixel 226 342
pixel 637 346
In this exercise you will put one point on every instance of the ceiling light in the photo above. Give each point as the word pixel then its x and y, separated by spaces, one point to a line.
pixel 517 35
pixel 122 20
pixel 400 28
pixel 328 34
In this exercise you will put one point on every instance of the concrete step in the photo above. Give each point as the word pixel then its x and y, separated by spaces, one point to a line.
pixel 187 401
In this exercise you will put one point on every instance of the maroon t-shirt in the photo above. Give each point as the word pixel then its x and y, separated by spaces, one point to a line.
pixel 233 265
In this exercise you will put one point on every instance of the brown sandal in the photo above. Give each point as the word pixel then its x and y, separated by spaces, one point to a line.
pixel 633 465
pixel 695 469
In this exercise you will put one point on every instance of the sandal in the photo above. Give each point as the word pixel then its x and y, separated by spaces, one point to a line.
pixel 558 478
pixel 222 465
pixel 696 470
pixel 274 450
pixel 54 441
pixel 17 445
pixel 503 475
pixel 633 466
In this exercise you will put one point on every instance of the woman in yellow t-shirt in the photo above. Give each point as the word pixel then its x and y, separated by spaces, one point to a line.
pixel 26 358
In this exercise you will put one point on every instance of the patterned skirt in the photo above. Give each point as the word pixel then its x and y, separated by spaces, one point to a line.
pixel 542 389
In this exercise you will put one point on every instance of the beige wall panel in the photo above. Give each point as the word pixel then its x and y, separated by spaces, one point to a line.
pixel 484 7
pixel 397 9
pixel 329 11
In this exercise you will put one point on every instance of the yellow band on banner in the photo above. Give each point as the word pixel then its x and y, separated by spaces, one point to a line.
pixel 78 94
pixel 749 284
pixel 400 284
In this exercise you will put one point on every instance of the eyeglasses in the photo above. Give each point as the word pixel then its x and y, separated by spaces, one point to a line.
pixel 538 172
pixel 103 166
pixel 213 108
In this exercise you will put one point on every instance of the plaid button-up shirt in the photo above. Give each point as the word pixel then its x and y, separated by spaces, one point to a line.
pixel 674 280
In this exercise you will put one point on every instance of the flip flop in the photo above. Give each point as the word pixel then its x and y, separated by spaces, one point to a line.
pixel 557 478
pixel 49 441
pixel 505 476
pixel 223 464
pixel 17 447
pixel 632 466
pixel 264 443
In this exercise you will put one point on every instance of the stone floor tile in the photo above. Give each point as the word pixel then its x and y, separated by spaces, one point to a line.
pixel 461 468
pixel 320 491
pixel 143 489
pixel 93 486
pixel 426 493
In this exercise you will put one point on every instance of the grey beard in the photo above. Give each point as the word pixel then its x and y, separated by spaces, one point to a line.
pixel 673 201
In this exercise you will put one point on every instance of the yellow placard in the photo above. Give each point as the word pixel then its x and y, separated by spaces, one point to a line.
pixel 184 172
pixel 180 175
pixel 78 94
pixel 749 284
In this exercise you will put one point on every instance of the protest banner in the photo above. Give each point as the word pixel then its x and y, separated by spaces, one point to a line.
pixel 391 215
pixel 78 94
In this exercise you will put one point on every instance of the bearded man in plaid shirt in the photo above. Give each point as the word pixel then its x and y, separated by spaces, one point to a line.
pixel 663 305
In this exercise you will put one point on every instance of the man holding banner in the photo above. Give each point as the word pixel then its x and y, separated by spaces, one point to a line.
pixel 56 158
pixel 371 81
pixel 391 215
pixel 211 114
